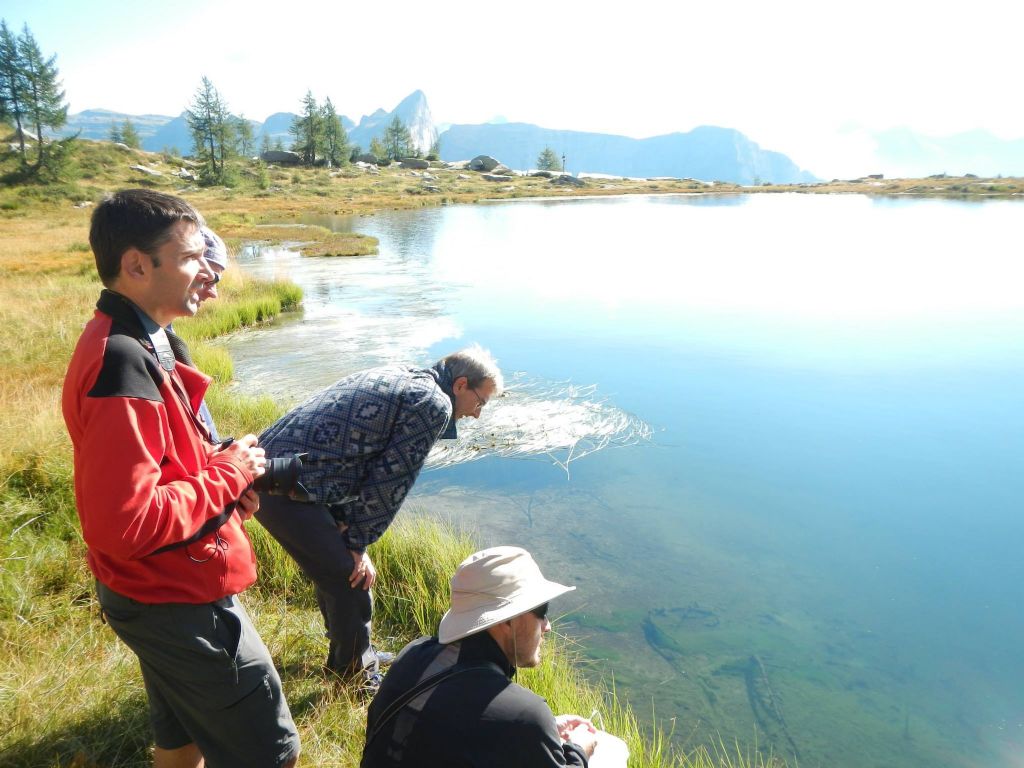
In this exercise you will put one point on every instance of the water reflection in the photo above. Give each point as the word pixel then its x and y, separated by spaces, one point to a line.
pixel 829 519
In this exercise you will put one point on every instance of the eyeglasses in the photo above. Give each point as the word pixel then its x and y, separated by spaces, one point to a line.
pixel 480 402
pixel 541 611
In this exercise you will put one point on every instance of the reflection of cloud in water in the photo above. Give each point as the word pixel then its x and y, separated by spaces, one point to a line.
pixel 294 361
pixel 357 313
pixel 557 420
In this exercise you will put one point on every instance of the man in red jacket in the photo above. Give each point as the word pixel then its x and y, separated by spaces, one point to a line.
pixel 161 505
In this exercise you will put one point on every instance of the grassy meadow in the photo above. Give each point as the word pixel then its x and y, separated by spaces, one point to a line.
pixel 70 693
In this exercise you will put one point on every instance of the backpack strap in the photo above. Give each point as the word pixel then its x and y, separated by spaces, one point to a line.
pixel 424 685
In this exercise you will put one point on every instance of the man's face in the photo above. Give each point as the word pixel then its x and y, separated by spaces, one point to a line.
pixel 528 635
pixel 469 401
pixel 174 287
pixel 209 289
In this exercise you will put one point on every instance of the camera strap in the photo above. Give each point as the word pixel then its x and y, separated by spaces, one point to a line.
pixel 210 526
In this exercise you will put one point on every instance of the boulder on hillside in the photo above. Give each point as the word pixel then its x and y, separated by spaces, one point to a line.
pixel 483 163
pixel 281 157
pixel 543 174
pixel 144 169
pixel 367 157
pixel 495 177
pixel 565 180
pixel 414 162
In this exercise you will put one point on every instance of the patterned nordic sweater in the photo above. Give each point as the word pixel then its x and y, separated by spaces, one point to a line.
pixel 367 437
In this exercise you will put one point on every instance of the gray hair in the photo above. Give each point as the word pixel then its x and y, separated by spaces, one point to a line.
pixel 477 365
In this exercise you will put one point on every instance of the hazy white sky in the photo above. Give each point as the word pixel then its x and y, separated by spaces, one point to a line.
pixel 805 78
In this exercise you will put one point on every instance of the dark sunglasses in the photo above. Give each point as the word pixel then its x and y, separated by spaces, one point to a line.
pixel 541 611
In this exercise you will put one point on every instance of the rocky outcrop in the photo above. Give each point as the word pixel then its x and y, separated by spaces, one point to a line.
pixel 414 162
pixel 415 115
pixel 568 181
pixel 281 157
pixel 483 163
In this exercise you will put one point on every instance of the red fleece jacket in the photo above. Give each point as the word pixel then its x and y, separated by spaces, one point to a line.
pixel 145 476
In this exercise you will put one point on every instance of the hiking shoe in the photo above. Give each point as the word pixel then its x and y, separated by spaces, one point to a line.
pixel 370 685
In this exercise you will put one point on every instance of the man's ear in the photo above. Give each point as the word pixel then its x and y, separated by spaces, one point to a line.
pixel 460 384
pixel 135 265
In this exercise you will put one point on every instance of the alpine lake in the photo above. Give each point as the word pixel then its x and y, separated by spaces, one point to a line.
pixel 790 495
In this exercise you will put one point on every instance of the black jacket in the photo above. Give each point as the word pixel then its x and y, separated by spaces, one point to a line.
pixel 476 719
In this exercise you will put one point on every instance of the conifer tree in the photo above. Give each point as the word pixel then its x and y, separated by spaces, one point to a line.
pixel 378 150
pixel 335 136
pixel 308 130
pixel 12 84
pixel 397 140
pixel 244 136
pixel 45 98
pixel 212 131
pixel 548 160
pixel 115 135
pixel 129 136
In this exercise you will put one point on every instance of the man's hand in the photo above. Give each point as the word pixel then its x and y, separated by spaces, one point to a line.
pixel 363 570
pixel 584 737
pixel 248 504
pixel 250 454
pixel 566 724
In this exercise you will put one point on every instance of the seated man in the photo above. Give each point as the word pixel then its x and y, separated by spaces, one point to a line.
pixel 366 438
pixel 450 701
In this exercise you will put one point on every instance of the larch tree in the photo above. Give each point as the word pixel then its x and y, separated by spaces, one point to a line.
pixel 308 130
pixel 212 131
pixel 45 98
pixel 397 140
pixel 336 145
pixel 548 160
pixel 129 136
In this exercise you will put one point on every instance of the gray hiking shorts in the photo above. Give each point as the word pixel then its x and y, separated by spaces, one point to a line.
pixel 209 678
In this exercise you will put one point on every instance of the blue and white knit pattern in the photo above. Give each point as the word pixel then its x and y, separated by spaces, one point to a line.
pixel 367 437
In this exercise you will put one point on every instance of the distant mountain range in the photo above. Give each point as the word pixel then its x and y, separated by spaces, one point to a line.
pixel 707 152
pixel 704 153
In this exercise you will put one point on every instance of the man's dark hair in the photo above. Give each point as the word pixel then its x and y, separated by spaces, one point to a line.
pixel 134 218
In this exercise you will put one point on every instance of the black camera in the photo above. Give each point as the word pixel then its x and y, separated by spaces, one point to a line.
pixel 281 478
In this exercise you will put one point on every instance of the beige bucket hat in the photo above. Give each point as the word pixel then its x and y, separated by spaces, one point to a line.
pixel 492 586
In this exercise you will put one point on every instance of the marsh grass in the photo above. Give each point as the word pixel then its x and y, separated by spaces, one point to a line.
pixel 310 239
pixel 251 302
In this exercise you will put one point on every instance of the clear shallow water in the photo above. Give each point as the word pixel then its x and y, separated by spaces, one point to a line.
pixel 819 549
